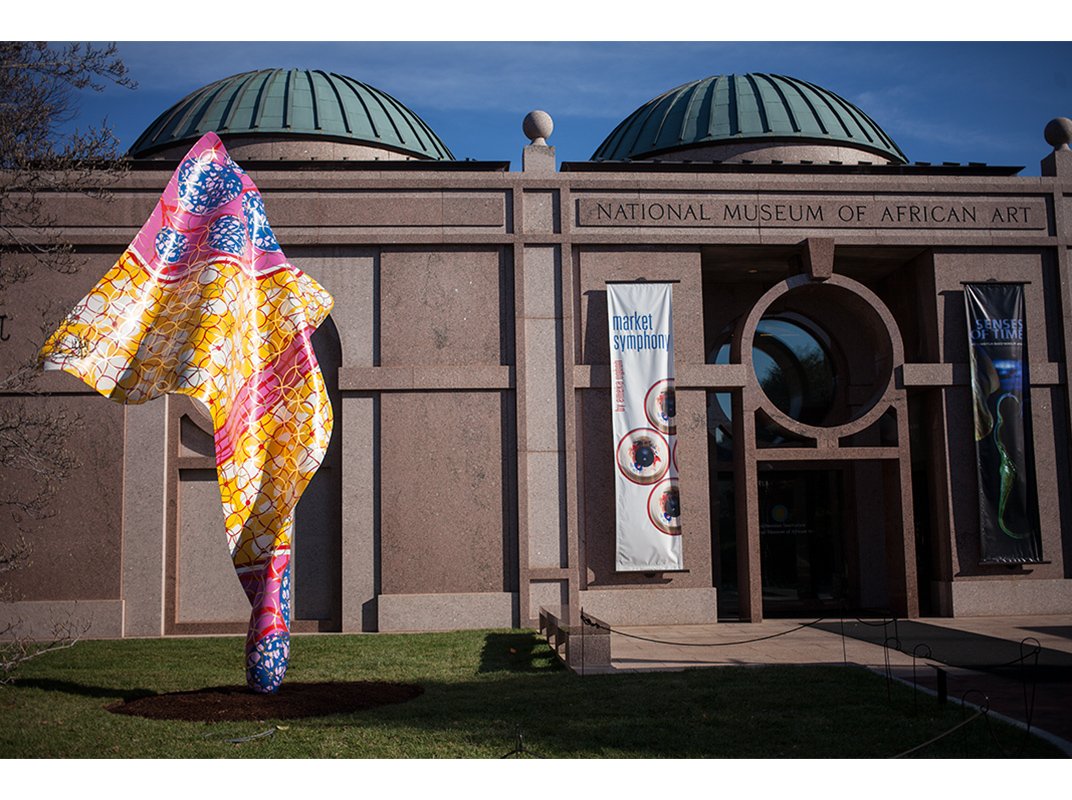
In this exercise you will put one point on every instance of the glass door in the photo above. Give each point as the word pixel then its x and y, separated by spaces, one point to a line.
pixel 802 541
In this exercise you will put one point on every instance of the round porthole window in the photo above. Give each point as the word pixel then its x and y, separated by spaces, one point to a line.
pixel 822 355
pixel 794 369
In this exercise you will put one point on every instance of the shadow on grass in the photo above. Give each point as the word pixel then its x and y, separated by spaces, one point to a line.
pixel 524 651
pixel 294 700
pixel 482 688
pixel 828 713
pixel 68 687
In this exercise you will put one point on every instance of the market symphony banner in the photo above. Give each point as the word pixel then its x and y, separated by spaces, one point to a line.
pixel 645 434
pixel 1008 503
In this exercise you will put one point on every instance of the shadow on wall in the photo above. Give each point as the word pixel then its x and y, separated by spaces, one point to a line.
pixel 596 335
pixel 318 516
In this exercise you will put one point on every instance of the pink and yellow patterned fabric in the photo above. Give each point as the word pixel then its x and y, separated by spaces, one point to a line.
pixel 204 303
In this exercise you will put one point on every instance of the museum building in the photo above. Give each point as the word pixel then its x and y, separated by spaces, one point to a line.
pixel 824 400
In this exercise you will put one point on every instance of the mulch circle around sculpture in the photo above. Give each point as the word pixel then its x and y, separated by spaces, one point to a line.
pixel 293 700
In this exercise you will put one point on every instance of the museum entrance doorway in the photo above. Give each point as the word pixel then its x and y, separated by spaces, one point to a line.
pixel 809 452
pixel 809 542
pixel 803 536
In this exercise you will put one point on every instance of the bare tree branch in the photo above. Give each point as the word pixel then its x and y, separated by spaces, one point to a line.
pixel 40 162
pixel 17 650
pixel 15 555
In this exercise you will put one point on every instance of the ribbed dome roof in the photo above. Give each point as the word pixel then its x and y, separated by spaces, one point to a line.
pixel 726 109
pixel 302 103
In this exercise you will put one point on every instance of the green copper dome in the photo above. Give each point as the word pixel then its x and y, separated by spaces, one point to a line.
pixel 294 103
pixel 759 108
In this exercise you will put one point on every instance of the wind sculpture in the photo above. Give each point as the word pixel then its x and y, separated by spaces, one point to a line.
pixel 204 303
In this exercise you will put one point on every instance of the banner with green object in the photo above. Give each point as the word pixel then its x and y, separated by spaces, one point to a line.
pixel 1008 502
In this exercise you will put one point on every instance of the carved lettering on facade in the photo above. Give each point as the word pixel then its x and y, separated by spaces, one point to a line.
pixel 651 212
pixel 816 211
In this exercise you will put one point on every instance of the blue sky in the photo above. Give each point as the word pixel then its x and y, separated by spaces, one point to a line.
pixel 985 102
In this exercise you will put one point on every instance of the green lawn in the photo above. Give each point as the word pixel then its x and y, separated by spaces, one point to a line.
pixel 479 687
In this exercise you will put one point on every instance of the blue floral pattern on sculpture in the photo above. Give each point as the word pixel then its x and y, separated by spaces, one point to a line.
pixel 170 245
pixel 206 185
pixel 228 235
pixel 284 596
pixel 267 664
pixel 266 661
pixel 260 232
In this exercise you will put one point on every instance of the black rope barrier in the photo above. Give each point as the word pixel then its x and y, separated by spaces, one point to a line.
pixel 589 621
pixel 983 711
pixel 885 622
pixel 889 669
pixel 1030 650
pixel 980 713
pixel 880 624
pixel 1035 651
pixel 917 652
pixel 985 706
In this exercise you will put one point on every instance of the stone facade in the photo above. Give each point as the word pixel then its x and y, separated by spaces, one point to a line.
pixel 469 481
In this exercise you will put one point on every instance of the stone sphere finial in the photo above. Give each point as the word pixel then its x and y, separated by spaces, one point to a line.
pixel 538 126
pixel 1058 133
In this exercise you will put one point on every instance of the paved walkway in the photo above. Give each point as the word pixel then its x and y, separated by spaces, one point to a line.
pixel 802 644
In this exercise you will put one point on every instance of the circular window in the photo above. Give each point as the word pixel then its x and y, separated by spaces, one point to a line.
pixel 793 366
pixel 794 370
pixel 807 340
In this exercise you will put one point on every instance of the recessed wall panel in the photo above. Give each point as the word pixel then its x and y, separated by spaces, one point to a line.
pixel 441 492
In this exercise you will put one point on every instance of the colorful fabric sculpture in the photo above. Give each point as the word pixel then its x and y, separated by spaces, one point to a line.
pixel 204 303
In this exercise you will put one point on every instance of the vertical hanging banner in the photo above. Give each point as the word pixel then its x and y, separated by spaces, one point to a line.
pixel 1008 503
pixel 645 434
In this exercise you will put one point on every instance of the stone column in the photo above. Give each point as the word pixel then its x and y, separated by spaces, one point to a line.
pixel 541 453
pixel 1058 165
pixel 144 529
pixel 542 537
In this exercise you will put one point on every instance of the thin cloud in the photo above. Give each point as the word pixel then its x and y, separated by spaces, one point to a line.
pixel 597 80
pixel 896 109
